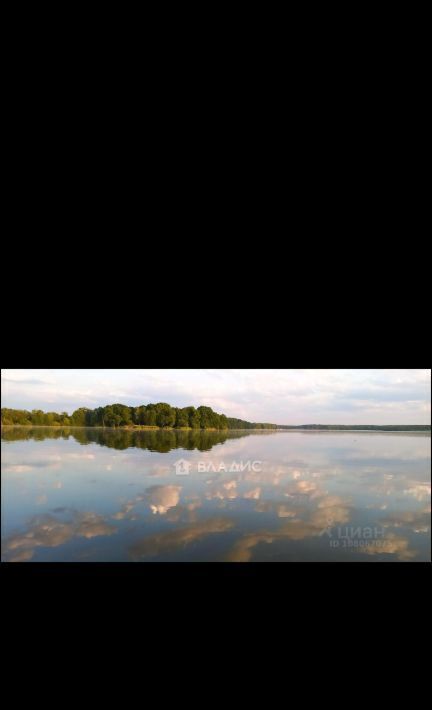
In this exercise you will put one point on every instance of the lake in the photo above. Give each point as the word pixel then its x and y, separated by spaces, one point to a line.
pixel 102 495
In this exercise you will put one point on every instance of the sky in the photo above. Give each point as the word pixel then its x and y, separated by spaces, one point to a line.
pixel 278 396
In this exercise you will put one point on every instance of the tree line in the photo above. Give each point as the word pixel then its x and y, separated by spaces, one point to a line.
pixel 162 415
pixel 234 423
pixel 159 415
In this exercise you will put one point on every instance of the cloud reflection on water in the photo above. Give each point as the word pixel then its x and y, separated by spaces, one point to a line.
pixel 306 484
pixel 49 531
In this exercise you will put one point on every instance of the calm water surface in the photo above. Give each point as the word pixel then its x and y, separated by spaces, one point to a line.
pixel 106 495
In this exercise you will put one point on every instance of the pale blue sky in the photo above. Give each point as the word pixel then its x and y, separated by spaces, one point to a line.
pixel 279 396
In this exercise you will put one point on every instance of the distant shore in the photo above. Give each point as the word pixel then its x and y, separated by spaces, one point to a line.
pixel 424 430
pixel 141 427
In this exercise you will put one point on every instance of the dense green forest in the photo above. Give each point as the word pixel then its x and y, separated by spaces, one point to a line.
pixel 164 416
pixel 160 415
pixel 361 427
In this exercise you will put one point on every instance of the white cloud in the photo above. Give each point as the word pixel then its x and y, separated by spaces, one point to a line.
pixel 49 531
pixel 254 494
pixel 162 498
pixel 420 491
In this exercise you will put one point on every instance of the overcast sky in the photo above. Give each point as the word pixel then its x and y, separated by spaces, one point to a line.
pixel 277 396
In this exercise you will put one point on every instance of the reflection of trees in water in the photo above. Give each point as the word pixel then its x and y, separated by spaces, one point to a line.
pixel 155 440
pixel 38 434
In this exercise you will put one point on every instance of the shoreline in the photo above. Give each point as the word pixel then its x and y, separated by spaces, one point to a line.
pixel 141 427
pixel 136 427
